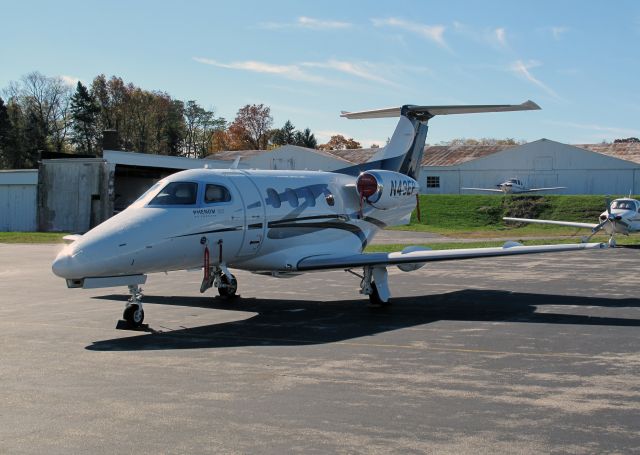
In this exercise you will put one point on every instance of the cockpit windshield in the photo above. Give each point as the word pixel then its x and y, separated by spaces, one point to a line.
pixel 176 193
pixel 624 205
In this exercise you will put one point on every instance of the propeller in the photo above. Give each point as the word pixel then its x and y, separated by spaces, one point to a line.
pixel 610 218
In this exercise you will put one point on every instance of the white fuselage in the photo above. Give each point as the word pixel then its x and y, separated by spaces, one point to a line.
pixel 624 216
pixel 271 221
pixel 512 187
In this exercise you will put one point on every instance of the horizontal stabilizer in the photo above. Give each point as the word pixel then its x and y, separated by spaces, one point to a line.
pixel 441 110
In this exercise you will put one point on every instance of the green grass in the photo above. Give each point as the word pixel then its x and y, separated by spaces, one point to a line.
pixel 31 237
pixel 477 216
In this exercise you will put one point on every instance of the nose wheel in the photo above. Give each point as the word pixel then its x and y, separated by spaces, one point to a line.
pixel 133 312
pixel 229 286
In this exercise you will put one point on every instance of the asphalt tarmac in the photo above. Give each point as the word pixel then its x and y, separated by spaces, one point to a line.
pixel 529 354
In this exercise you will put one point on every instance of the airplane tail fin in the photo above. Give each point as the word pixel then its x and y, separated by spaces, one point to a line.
pixel 404 151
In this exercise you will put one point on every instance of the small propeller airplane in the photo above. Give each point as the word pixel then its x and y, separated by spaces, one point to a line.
pixel 277 223
pixel 514 186
pixel 622 216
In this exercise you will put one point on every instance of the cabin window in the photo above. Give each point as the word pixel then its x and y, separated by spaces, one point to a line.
pixel 216 193
pixel 433 181
pixel 307 194
pixel 273 198
pixel 292 197
pixel 176 193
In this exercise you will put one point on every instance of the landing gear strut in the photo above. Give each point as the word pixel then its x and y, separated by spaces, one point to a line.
pixel 133 312
pixel 374 283
pixel 221 278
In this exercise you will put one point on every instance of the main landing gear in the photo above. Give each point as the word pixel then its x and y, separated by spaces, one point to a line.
pixel 133 312
pixel 221 278
pixel 374 283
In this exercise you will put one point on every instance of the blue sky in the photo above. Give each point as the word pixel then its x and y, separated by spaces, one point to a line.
pixel 580 60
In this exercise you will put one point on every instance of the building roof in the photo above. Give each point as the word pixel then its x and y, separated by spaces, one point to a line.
pixel 19 177
pixel 452 155
pixel 160 161
pixel 434 155
pixel 628 151
pixel 231 155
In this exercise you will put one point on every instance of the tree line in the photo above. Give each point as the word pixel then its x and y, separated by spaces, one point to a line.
pixel 42 113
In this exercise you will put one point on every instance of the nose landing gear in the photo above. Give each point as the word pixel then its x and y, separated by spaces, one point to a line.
pixel 133 312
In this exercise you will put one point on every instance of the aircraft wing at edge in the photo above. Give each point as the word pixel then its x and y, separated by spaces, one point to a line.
pixel 531 190
pixel 493 190
pixel 326 262
pixel 559 223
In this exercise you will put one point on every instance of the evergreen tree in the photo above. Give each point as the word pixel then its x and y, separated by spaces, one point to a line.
pixel 85 113
pixel 5 131
pixel 285 135
pixel 306 139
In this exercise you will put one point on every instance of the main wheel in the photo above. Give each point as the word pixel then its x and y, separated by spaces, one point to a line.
pixel 134 315
pixel 612 242
pixel 374 298
pixel 231 286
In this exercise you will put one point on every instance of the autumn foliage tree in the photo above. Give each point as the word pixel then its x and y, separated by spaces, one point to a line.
pixel 41 113
pixel 251 128
pixel 339 142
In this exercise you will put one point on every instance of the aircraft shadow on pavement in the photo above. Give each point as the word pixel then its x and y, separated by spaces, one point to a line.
pixel 299 322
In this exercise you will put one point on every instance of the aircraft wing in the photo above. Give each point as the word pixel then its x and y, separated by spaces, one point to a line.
pixel 559 223
pixel 325 262
pixel 533 190
pixel 492 190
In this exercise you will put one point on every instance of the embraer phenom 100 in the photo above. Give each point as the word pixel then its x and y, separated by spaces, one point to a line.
pixel 273 222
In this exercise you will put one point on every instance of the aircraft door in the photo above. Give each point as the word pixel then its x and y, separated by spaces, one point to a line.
pixel 253 213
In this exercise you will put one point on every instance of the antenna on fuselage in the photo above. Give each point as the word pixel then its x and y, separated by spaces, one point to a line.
pixel 235 163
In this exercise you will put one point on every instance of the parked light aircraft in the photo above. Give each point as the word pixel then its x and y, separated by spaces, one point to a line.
pixel 273 222
pixel 622 216
pixel 514 186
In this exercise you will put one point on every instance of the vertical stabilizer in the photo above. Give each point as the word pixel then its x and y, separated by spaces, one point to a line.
pixel 404 151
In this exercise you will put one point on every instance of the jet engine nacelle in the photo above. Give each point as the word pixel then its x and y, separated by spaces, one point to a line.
pixel 386 189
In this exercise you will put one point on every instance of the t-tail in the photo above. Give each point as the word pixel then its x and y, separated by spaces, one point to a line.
pixel 404 151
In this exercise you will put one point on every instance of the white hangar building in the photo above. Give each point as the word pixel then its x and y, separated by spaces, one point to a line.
pixel 583 169
pixel 587 169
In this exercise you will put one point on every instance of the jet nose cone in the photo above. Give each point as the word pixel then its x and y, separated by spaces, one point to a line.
pixel 64 266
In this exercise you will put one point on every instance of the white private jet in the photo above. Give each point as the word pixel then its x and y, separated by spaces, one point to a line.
pixel 273 222
pixel 621 217
pixel 514 186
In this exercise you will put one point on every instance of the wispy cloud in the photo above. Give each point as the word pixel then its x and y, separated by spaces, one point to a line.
pixel 308 23
pixel 70 80
pixel 363 70
pixel 293 72
pixel 522 69
pixel 307 71
pixel 495 37
pixel 501 36
pixel 611 130
pixel 558 31
pixel 434 33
